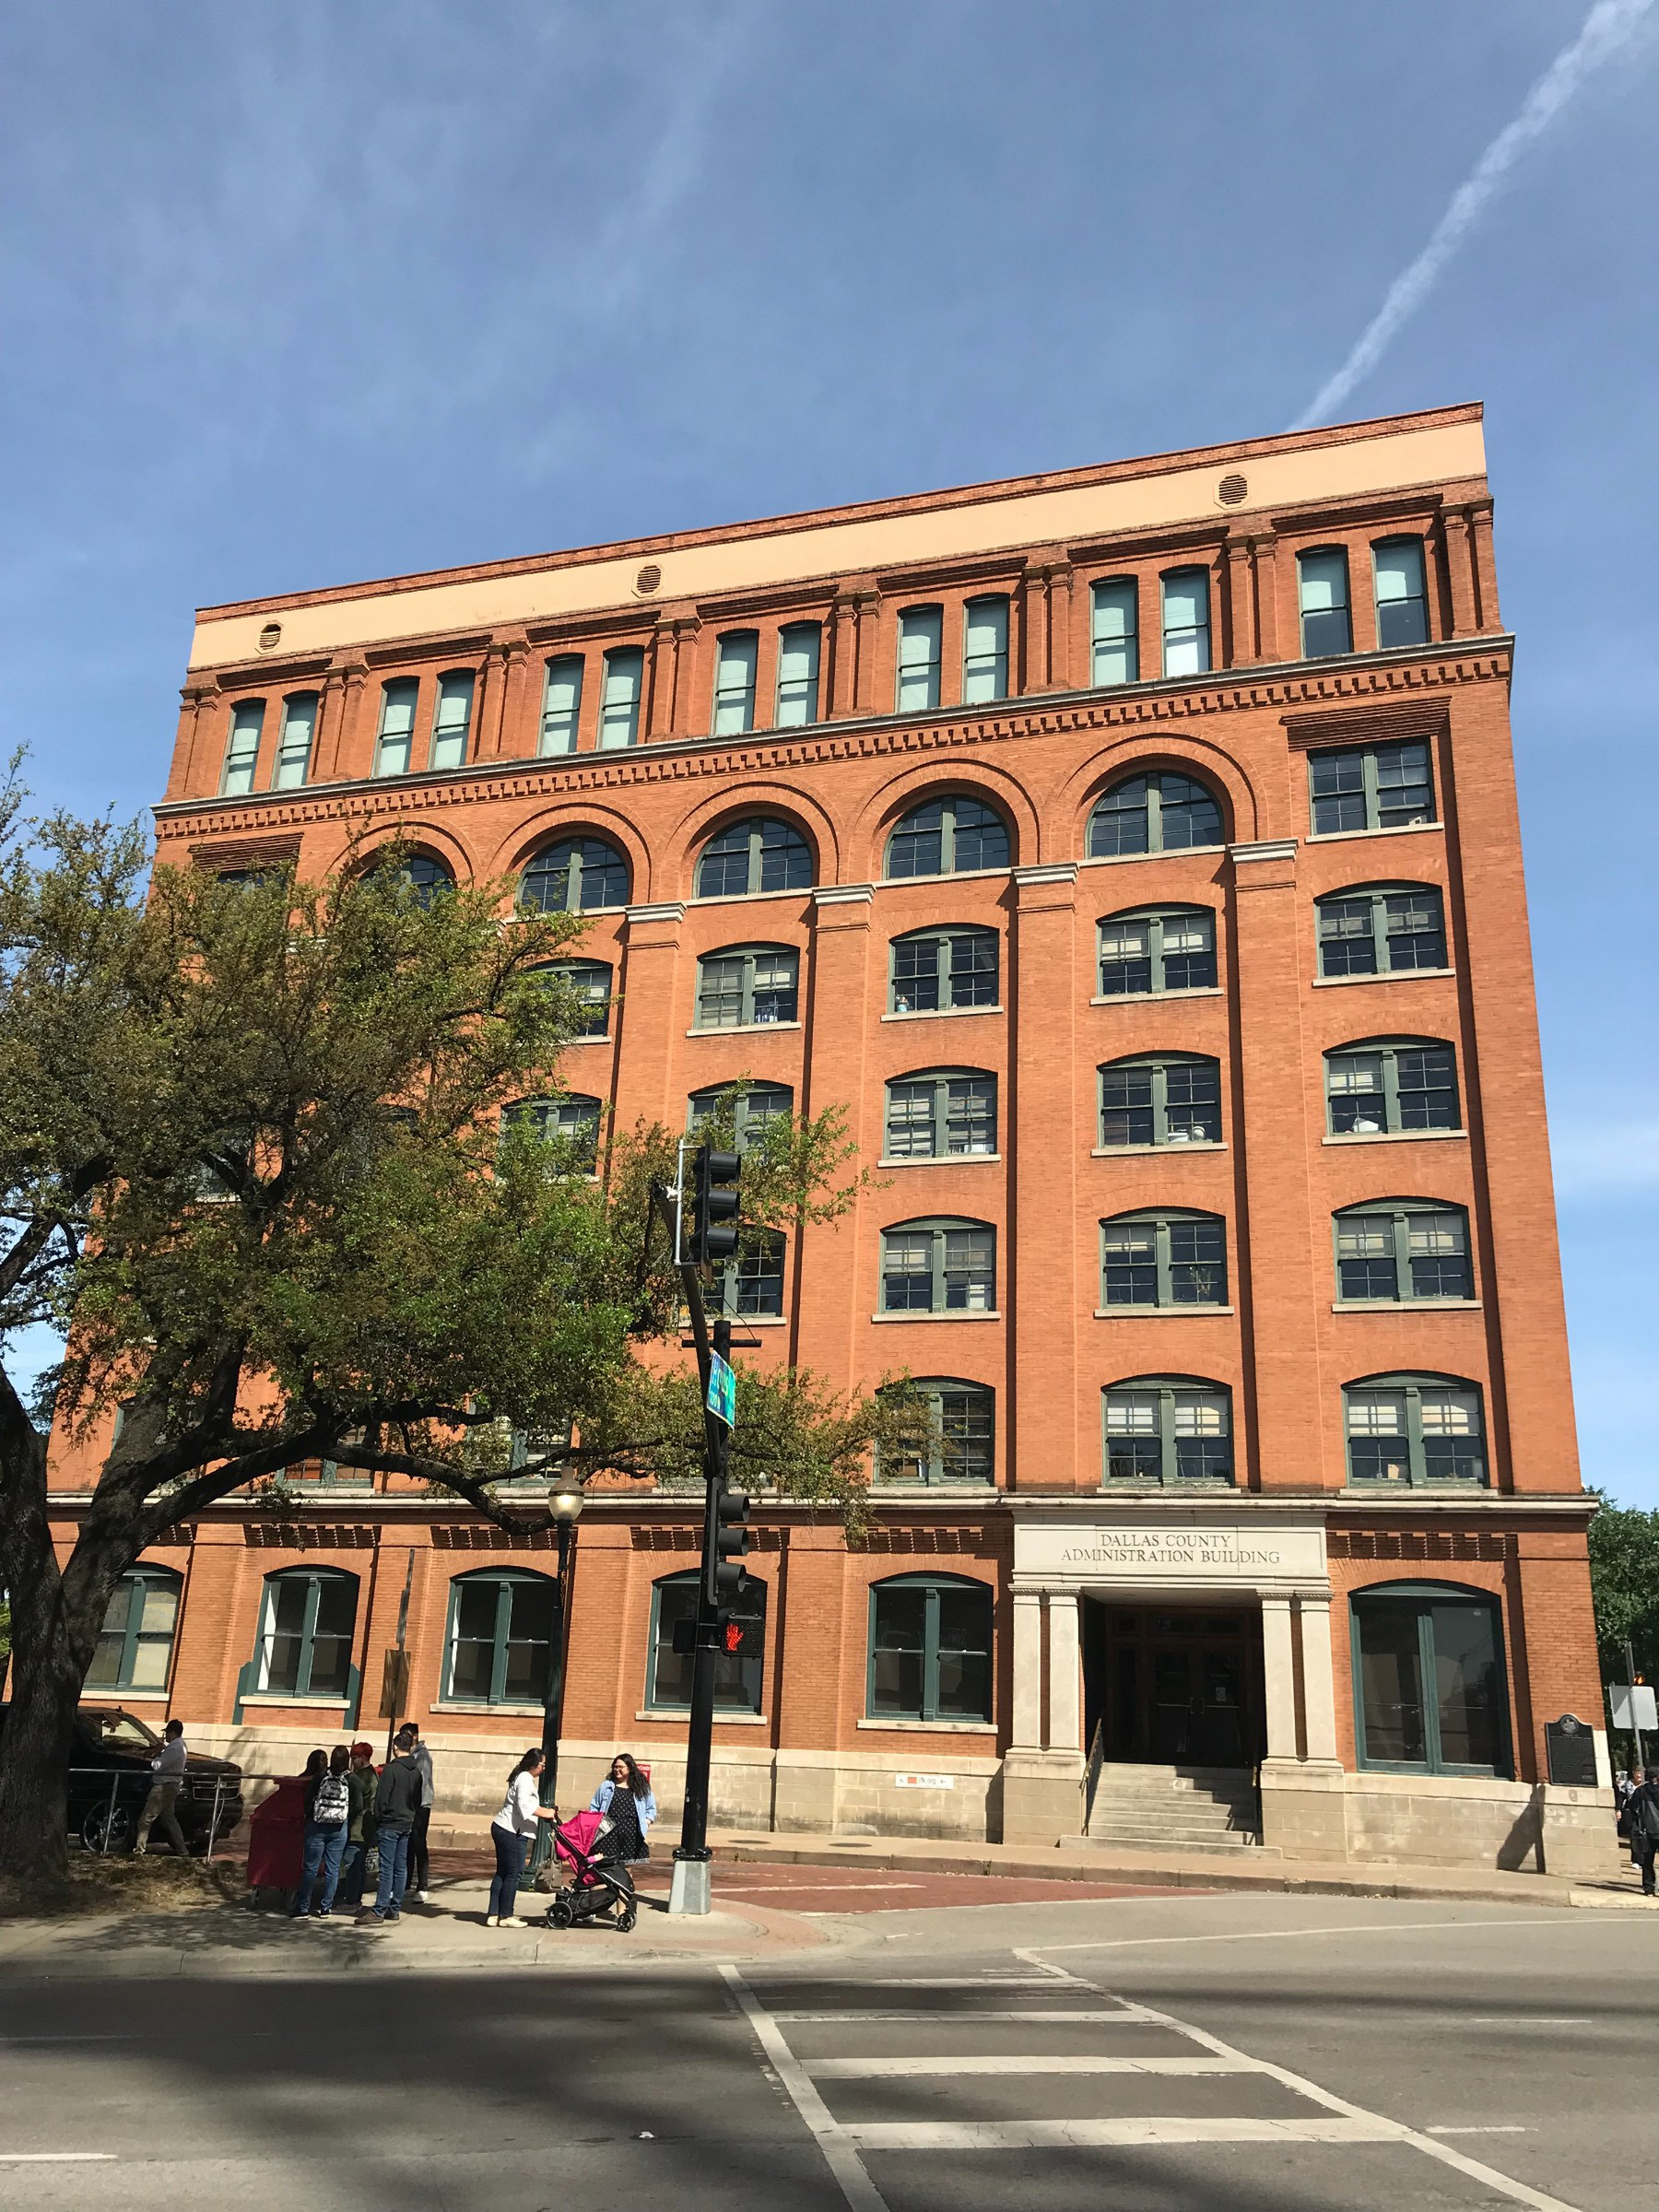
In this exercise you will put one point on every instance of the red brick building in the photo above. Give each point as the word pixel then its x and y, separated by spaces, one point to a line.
pixel 1133 852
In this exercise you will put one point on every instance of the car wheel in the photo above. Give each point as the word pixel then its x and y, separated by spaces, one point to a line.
pixel 110 1831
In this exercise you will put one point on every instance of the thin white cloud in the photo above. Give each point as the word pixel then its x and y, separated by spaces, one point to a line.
pixel 1606 29
pixel 1612 1159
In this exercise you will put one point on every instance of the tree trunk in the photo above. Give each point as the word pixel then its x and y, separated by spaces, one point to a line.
pixel 50 1650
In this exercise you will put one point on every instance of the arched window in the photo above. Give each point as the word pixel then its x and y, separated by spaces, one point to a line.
pixel 984 650
pixel 620 697
pixel 241 749
pixel 500 1644
pixel 755 854
pixel 1171 1430
pixel 451 718
pixel 944 971
pixel 798 648
pixel 1159 950
pixel 294 742
pixel 1186 623
pixel 1392 1086
pixel 747 986
pixel 921 633
pixel 590 981
pixel 951 836
pixel 1429 1692
pixel 1155 1260
pixel 1414 1429
pixel 394 744
pixel 1322 580
pixel 739 1669
pixel 561 705
pixel 1162 1099
pixel 941 1113
pixel 1366 787
pixel 571 1121
pixel 746 1107
pixel 1402 594
pixel 1403 1251
pixel 135 1645
pixel 930 1649
pixel 578 874
pixel 751 1283
pixel 305 1630
pixel 423 875
pixel 1116 630
pixel 959 1449
pixel 1162 813
pixel 737 657
pixel 1381 929
pixel 945 1266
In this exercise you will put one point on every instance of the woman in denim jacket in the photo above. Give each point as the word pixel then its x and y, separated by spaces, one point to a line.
pixel 626 1795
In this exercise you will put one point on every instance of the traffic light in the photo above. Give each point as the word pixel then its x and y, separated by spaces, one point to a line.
pixel 716 1201
pixel 731 1542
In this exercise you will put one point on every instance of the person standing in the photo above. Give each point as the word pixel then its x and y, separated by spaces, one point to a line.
pixel 419 1864
pixel 1643 1813
pixel 327 1815
pixel 168 1767
pixel 396 1801
pixel 361 1781
pixel 510 1832
pixel 625 1796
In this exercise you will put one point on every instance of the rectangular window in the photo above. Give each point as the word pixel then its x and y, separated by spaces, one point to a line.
pixel 1323 594
pixel 737 1671
pixel 735 660
pixel 797 676
pixel 1186 637
pixel 1430 1681
pixel 451 719
pixel 1371 787
pixel 1402 596
pixel 937 1117
pixel 1116 631
pixel 294 750
pixel 752 1285
pixel 742 990
pixel 619 700
pixel 561 705
pixel 970 1270
pixel 241 752
pixel 984 650
pixel 921 631
pixel 907 1271
pixel 393 752
pixel 930 1651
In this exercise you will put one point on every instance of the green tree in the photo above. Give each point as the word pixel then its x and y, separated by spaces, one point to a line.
pixel 254 1163
pixel 1624 1583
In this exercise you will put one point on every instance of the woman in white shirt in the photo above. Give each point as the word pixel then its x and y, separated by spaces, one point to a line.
pixel 511 1829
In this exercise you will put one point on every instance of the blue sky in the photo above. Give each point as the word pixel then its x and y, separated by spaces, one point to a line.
pixel 298 293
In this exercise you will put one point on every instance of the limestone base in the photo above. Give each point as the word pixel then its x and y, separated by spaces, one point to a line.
pixel 1041 1796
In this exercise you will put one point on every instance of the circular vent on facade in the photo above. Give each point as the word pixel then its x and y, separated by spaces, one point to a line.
pixel 270 636
pixel 649 576
pixel 1231 491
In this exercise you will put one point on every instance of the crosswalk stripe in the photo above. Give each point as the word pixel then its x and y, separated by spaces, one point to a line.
pixel 1130 2013
pixel 862 2069
pixel 1083 2135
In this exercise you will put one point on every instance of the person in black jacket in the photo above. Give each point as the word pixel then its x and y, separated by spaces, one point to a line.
pixel 1642 1811
pixel 396 1801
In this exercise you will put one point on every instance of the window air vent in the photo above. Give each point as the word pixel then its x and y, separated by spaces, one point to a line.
pixel 270 637
pixel 649 576
pixel 1232 489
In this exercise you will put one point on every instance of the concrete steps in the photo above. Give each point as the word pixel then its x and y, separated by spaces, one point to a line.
pixel 1175 1808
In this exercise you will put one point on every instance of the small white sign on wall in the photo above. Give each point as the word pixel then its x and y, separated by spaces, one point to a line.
pixel 925 1781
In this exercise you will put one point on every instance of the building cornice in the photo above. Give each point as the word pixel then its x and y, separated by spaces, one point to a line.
pixel 1401 677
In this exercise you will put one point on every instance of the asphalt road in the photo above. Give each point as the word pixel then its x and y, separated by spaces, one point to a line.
pixel 1165 2054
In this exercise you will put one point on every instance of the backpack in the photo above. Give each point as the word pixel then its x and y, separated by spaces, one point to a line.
pixel 1644 1813
pixel 333 1801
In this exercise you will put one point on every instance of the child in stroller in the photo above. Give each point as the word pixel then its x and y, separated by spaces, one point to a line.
pixel 598 1880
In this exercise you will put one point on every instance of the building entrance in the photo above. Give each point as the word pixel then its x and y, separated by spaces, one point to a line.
pixel 1171 1687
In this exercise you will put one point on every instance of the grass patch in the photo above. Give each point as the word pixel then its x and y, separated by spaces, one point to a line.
pixel 154 1883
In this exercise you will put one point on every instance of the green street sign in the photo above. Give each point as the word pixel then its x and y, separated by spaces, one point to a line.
pixel 722 1391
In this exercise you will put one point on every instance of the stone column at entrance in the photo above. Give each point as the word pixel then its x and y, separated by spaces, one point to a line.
pixel 1318 1689
pixel 1304 1802
pixel 1065 1713
pixel 1041 1798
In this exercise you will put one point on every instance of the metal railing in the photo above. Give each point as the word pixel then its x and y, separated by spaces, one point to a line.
pixel 1091 1772
pixel 224 1786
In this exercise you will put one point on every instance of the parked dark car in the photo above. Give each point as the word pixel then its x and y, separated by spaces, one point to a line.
pixel 110 1777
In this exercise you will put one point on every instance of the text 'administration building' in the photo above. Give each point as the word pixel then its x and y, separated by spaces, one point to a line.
pixel 1133 852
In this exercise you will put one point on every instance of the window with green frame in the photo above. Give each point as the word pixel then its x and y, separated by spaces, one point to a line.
pixel 960 1448
pixel 1402 1252
pixel 1413 1430
pixel 739 1673
pixel 1381 929
pixel 1155 1260
pixel 942 1113
pixel 943 971
pixel 1162 1099
pixel 1371 787
pixel 573 1121
pixel 306 1623
pixel 1430 1695
pixel 953 836
pixel 751 1283
pixel 931 1642
pixel 1159 951
pixel 747 987
pixel 577 875
pixel 747 1106
pixel 499 1647
pixel 938 1267
pixel 590 982
pixel 1392 1086
pixel 1164 813
pixel 1171 1429
pixel 757 855
pixel 135 1645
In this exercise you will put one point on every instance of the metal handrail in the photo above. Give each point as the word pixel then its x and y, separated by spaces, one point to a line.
pixel 221 1782
pixel 1091 1772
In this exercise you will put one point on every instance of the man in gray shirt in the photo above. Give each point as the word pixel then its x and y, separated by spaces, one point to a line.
pixel 168 1767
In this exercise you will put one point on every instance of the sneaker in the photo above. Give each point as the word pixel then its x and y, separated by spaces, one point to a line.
pixel 512 1920
pixel 423 1897
pixel 492 1919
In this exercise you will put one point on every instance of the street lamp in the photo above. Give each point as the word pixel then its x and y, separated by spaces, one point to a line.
pixel 566 1508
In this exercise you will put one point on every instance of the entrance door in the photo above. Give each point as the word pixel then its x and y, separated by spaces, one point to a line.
pixel 1174 1689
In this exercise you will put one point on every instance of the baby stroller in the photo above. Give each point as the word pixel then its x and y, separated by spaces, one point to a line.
pixel 594 1880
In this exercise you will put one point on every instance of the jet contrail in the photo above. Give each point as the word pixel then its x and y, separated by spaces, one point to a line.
pixel 1606 28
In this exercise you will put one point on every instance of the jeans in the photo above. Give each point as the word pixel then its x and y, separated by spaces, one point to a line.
pixel 353 1870
pixel 508 1873
pixel 323 1849
pixel 419 1865
pixel 1643 1849
pixel 394 1872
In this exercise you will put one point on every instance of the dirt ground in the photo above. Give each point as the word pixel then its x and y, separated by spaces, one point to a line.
pixel 157 1883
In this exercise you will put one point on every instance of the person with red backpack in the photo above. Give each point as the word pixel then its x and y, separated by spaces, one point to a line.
pixel 327 1810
